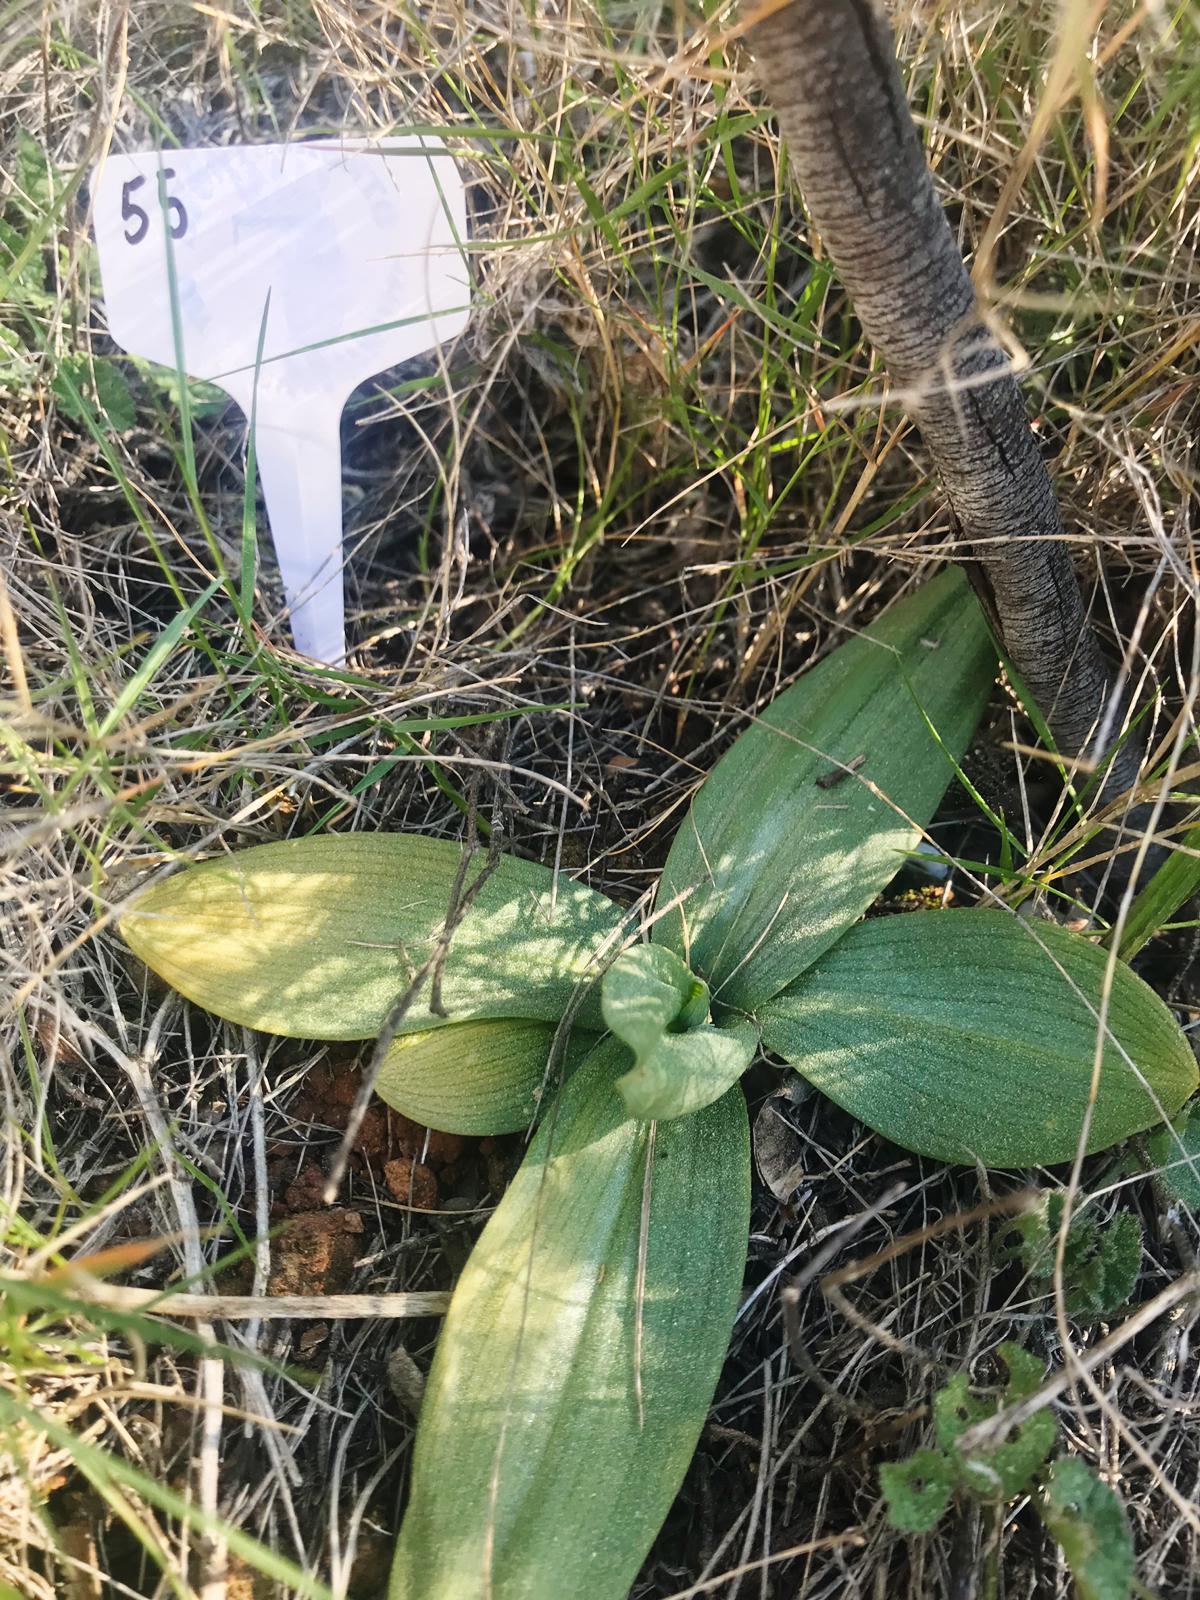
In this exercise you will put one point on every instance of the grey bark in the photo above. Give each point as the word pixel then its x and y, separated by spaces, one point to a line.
pixel 829 69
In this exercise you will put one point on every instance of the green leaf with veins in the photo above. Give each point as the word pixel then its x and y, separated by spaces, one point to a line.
pixel 970 1036
pixel 318 938
pixel 477 1077
pixel 580 1353
pixel 584 1340
pixel 809 815
pixel 1174 1155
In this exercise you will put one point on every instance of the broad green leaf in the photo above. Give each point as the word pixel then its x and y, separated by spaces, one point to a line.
pixel 809 815
pixel 684 1072
pixel 916 1492
pixel 474 1077
pixel 1089 1522
pixel 565 1400
pixel 1174 1152
pixel 970 1035
pixel 317 938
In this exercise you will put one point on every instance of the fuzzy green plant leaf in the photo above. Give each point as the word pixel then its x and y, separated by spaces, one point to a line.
pixel 808 816
pixel 916 1492
pixel 1105 1282
pixel 970 1035
pixel 475 1078
pixel 1100 1263
pixel 1089 1522
pixel 1006 1469
pixel 317 938
pixel 955 1409
pixel 576 1364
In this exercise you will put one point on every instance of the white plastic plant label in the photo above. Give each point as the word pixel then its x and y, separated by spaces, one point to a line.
pixel 360 250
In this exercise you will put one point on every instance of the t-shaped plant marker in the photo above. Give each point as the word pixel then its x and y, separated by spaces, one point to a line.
pixel 360 248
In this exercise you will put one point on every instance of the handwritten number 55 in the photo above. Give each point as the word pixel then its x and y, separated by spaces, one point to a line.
pixel 134 214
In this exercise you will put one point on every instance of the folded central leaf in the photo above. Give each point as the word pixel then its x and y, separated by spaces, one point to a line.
pixel 681 1063
pixel 648 992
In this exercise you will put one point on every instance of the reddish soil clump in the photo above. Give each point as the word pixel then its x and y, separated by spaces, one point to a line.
pixel 411 1183
pixel 316 1253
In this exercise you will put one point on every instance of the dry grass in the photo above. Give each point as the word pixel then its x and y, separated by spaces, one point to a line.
pixel 649 484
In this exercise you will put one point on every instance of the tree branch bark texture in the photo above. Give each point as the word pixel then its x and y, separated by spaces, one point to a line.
pixel 829 70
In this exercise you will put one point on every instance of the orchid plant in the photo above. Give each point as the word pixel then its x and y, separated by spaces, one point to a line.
pixel 586 1333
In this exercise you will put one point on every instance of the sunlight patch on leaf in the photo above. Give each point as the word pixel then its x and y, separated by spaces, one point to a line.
pixel 317 938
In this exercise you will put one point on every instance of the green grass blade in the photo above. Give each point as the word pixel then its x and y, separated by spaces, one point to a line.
pixel 1175 882
pixel 159 652
pixel 249 516
pixel 110 1475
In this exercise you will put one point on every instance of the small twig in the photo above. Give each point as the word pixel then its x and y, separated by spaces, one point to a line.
pixel 831 1286
pixel 270 1307
pixel 793 1293
pixel 461 902
pixel 852 1539
pixel 643 1256
pixel 1004 1206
